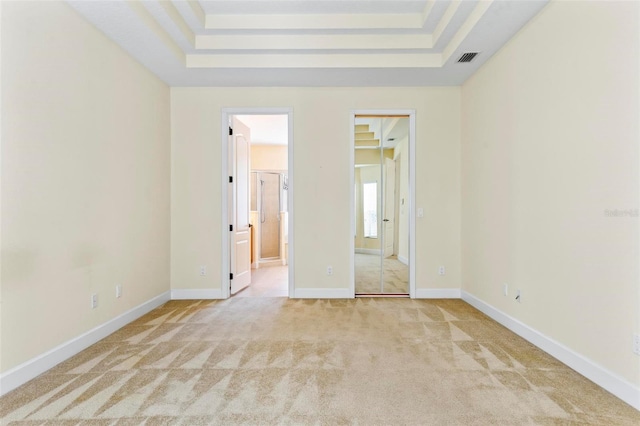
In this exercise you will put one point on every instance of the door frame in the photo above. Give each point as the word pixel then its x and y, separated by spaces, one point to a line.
pixel 224 135
pixel 411 113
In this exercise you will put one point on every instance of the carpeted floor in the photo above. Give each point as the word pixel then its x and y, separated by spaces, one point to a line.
pixel 367 275
pixel 278 361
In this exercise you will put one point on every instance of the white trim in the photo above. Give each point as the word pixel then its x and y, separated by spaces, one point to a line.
pixel 367 251
pixel 411 113
pixel 290 216
pixel 224 178
pixel 224 134
pixel 28 370
pixel 437 293
pixel 322 293
pixel 604 378
pixel 412 204
pixel 195 294
pixel 403 260
pixel 352 205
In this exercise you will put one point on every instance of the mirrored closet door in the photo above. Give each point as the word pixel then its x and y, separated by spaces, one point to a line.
pixel 381 205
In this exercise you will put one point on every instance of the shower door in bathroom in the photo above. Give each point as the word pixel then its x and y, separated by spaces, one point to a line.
pixel 270 215
pixel 269 202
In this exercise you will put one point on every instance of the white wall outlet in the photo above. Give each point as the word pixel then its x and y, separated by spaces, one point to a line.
pixel 441 270
pixel 505 289
pixel 420 212
pixel 329 270
pixel 203 270
pixel 118 291
pixel 519 296
pixel 94 300
pixel 636 344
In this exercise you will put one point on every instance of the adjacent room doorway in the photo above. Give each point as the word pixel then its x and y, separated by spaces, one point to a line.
pixel 258 192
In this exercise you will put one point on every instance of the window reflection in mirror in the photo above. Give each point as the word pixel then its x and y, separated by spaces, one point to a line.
pixel 370 209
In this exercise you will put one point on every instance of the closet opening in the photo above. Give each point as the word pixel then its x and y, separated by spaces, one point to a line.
pixel 382 199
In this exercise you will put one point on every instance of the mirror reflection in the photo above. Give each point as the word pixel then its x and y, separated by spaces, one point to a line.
pixel 381 200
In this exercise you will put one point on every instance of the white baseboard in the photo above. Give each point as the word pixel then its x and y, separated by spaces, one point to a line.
pixel 604 378
pixel 26 371
pixel 193 294
pixel 403 260
pixel 322 293
pixel 437 293
pixel 377 252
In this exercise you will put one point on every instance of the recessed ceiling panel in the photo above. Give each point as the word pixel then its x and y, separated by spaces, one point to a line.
pixel 309 43
pixel 301 7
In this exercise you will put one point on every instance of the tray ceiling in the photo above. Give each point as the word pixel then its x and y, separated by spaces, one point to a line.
pixel 310 42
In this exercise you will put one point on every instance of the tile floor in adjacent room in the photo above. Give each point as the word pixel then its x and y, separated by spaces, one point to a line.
pixel 268 280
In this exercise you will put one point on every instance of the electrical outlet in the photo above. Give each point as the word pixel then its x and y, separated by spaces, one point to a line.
pixel 519 296
pixel 636 344
pixel 329 270
pixel 441 270
pixel 94 300
pixel 203 270
pixel 118 291
pixel 505 289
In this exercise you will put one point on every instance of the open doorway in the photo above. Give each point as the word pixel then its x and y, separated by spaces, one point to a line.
pixel 259 204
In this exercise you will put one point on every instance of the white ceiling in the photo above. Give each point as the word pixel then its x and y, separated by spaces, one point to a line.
pixel 267 129
pixel 309 42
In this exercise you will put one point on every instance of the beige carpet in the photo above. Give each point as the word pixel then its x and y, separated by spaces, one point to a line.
pixel 367 275
pixel 279 361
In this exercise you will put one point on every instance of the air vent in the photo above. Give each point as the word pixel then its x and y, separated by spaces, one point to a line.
pixel 468 57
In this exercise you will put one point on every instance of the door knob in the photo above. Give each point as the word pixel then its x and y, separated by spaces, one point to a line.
pixel 385 220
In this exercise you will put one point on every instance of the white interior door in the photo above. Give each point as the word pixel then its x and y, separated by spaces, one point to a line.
pixel 239 220
pixel 389 205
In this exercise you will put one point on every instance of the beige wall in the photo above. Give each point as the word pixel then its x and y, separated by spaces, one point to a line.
pixel 85 179
pixel 371 156
pixel 269 157
pixel 550 142
pixel 321 171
